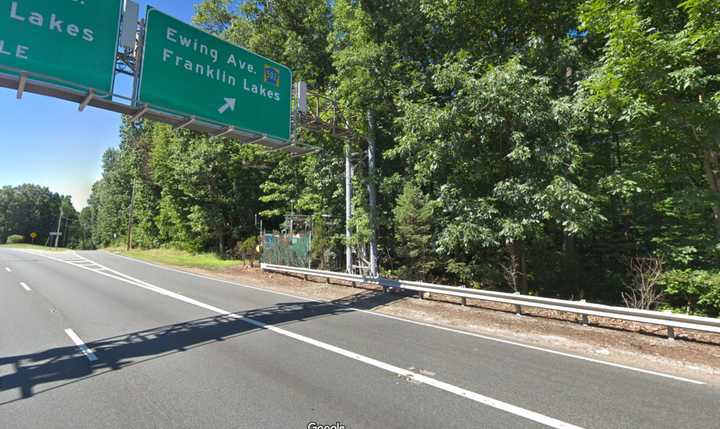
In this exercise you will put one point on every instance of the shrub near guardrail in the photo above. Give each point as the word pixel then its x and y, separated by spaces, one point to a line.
pixel 693 291
pixel 15 239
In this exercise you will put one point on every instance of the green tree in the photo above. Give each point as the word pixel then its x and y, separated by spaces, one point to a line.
pixel 30 208
pixel 413 218
pixel 658 82
pixel 494 145
pixel 294 33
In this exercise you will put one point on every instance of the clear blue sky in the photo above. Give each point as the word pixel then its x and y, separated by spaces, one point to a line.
pixel 48 142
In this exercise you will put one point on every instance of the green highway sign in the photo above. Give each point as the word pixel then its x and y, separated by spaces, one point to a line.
pixel 74 41
pixel 192 73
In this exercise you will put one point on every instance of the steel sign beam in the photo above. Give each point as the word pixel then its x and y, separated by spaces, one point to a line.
pixel 74 41
pixel 189 71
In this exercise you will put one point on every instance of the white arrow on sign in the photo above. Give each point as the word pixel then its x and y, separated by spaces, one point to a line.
pixel 229 104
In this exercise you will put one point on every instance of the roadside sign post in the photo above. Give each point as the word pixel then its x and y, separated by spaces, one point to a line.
pixel 189 72
pixel 70 43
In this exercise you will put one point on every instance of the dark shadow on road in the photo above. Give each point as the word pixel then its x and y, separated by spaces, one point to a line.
pixel 70 365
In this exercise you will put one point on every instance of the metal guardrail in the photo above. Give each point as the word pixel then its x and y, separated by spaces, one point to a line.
pixel 582 308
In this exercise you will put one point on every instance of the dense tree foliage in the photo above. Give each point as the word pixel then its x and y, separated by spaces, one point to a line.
pixel 28 209
pixel 536 146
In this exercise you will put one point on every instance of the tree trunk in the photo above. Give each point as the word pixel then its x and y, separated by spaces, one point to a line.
pixel 221 241
pixel 711 167
pixel 516 248
pixel 570 266
pixel 523 272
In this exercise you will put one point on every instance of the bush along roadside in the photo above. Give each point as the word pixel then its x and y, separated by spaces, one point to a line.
pixel 15 239
pixel 693 291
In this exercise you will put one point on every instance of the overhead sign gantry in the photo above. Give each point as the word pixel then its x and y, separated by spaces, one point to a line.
pixel 183 76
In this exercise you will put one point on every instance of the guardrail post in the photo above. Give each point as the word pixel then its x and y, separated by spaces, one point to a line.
pixel 584 317
pixel 463 300
pixel 670 329
pixel 518 307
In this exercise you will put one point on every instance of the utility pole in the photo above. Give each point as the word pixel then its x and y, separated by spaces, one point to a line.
pixel 348 209
pixel 372 194
pixel 67 221
pixel 57 234
pixel 130 218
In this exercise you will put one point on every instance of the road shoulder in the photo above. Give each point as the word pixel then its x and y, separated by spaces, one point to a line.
pixel 691 356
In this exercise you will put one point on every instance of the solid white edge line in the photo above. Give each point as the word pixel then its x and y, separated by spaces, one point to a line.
pixel 81 345
pixel 429 325
pixel 473 396
pixel 25 286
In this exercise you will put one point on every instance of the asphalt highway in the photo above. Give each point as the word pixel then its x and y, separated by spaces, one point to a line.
pixel 95 340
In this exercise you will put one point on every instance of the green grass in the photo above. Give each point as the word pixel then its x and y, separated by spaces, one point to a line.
pixel 32 246
pixel 180 258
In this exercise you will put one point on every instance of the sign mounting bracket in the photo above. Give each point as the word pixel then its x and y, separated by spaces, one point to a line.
pixel 256 140
pixel 224 133
pixel 21 85
pixel 88 98
pixel 140 113
pixel 185 123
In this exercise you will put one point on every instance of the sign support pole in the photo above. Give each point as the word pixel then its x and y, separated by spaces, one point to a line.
pixel 372 193
pixel 348 209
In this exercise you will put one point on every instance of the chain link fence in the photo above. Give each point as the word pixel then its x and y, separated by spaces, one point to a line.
pixel 283 249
